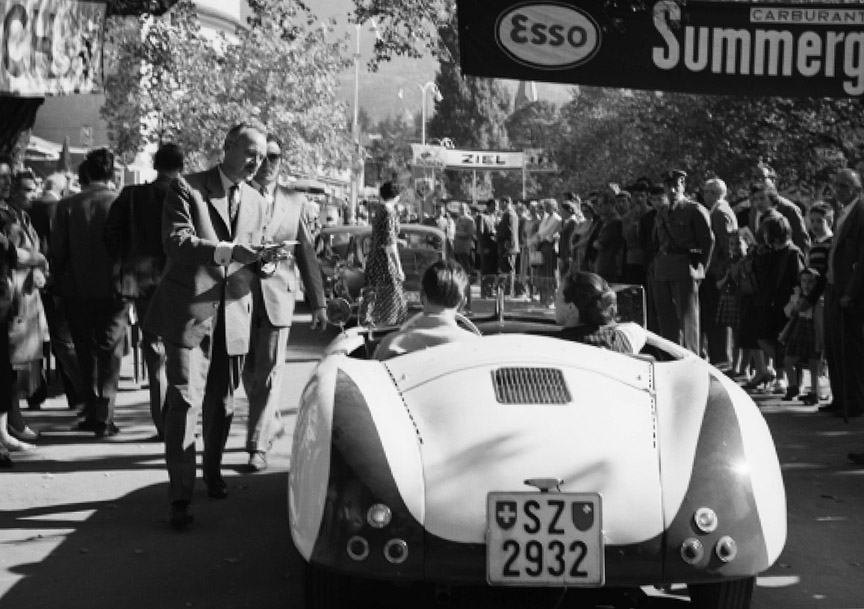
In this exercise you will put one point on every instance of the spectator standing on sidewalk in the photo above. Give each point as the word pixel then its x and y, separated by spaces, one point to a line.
pixel 133 239
pixel 274 291
pixel 507 232
pixel 97 316
pixel 463 247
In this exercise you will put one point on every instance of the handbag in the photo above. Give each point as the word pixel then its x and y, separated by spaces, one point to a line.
pixel 26 327
pixel 535 258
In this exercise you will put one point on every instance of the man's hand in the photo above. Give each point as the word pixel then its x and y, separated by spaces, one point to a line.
pixel 319 319
pixel 245 254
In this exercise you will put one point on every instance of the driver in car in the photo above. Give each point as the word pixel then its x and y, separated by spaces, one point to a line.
pixel 442 292
pixel 587 308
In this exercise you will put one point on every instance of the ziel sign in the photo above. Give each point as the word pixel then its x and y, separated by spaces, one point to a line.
pixel 699 47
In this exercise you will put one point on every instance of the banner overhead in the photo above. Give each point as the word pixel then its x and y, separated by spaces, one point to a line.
pixel 50 47
pixel 794 50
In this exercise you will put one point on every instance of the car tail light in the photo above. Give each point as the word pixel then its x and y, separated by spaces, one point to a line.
pixel 705 519
pixel 692 551
pixel 358 548
pixel 378 516
pixel 726 549
pixel 396 551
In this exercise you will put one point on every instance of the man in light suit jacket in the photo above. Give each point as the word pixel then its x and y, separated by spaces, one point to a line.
pixel 202 308
pixel 844 301
pixel 724 224
pixel 273 292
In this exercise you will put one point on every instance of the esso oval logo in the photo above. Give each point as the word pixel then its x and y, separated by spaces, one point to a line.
pixel 548 35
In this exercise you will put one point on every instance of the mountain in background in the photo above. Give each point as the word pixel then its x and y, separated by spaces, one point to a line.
pixel 379 91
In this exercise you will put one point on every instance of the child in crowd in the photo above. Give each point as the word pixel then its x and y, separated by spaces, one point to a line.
pixel 803 335
pixel 821 217
pixel 729 309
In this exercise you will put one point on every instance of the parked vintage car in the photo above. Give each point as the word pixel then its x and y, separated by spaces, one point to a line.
pixel 522 459
pixel 419 247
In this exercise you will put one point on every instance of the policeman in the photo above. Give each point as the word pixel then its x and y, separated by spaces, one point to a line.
pixel 683 233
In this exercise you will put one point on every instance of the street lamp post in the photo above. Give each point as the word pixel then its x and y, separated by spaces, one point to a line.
pixel 357 156
pixel 424 92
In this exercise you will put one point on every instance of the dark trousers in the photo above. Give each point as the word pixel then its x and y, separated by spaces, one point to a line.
pixel 844 350
pixel 717 339
pixel 200 380
pixel 677 305
pixel 98 328
pixel 63 348
pixel 153 352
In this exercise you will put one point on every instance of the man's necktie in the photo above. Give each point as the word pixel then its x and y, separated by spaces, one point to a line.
pixel 233 202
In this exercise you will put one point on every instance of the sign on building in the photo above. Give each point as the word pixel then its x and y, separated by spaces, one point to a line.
pixel 50 47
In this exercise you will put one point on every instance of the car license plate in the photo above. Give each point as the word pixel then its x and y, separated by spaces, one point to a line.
pixel 412 297
pixel 544 539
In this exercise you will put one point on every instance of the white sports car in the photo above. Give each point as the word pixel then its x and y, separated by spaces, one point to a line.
pixel 522 459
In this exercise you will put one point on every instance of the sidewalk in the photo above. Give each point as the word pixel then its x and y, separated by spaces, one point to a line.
pixel 84 520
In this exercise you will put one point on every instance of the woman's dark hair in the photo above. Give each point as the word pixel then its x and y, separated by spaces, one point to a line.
pixel 444 283
pixel 592 296
pixel 389 190
pixel 777 229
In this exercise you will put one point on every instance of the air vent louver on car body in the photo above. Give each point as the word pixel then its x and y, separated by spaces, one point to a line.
pixel 530 386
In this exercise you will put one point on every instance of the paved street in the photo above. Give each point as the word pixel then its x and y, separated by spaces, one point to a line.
pixel 83 523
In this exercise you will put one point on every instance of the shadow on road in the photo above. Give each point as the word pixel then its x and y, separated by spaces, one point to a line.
pixel 122 553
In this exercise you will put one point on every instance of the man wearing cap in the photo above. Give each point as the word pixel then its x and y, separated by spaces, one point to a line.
pixel 685 242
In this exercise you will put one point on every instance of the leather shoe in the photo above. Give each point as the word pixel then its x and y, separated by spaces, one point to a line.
pixel 856 458
pixel 217 489
pixel 257 461
pixel 25 435
pixel 181 516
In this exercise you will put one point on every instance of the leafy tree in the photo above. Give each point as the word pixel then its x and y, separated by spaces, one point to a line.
pixel 172 82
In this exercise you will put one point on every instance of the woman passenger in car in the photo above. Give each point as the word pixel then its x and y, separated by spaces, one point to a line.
pixel 587 308
pixel 442 291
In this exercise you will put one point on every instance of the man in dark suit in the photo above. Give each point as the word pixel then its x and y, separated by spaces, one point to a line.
pixel 202 308
pixel 685 242
pixel 718 338
pixel 507 233
pixel 133 238
pixel 273 294
pixel 844 301
pixel 97 318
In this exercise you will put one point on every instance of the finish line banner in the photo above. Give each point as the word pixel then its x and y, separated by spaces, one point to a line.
pixel 438 157
pixel 814 50
pixel 50 47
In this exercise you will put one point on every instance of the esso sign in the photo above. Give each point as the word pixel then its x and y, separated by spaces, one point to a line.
pixel 547 35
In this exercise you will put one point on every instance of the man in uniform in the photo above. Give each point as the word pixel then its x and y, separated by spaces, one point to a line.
pixel 685 243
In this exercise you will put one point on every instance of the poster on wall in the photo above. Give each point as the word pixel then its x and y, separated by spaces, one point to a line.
pixel 50 47
pixel 741 48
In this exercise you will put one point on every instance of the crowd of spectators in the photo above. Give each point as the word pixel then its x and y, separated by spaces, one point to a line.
pixel 740 282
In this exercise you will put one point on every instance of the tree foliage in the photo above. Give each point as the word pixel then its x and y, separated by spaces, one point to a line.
pixel 172 82
pixel 614 135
